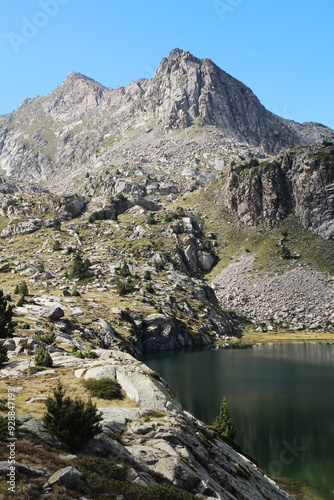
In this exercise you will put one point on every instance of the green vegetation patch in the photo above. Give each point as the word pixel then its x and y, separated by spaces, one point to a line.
pixel 105 477
pixel 104 388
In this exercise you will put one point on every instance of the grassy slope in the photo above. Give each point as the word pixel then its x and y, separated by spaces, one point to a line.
pixel 235 238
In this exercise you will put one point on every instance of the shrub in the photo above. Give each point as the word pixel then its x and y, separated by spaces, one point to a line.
pixel 24 343
pixel 124 287
pixel 90 354
pixel 23 289
pixel 56 225
pixel 43 358
pixel 151 219
pixel 56 246
pixel 47 338
pixel 124 271
pixel 106 477
pixel 73 421
pixel 79 267
pixel 254 162
pixel 20 302
pixel 79 354
pixel 286 254
pixel 3 429
pixel 75 293
pixel 3 353
pixel 223 424
pixel 41 267
pixel 34 369
pixel 147 275
pixel 159 265
pixel 179 212
pixel 104 388
pixel 97 467
pixel 16 289
pixel 6 315
pixel 149 288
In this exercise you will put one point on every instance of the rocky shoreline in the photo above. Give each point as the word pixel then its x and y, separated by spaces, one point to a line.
pixel 154 435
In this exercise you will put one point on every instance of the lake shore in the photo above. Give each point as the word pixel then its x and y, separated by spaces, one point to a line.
pixel 250 336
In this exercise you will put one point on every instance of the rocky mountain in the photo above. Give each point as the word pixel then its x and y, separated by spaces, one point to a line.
pixel 153 218
pixel 191 119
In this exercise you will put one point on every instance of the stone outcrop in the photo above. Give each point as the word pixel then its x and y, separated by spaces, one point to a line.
pixel 21 469
pixel 157 435
pixel 54 312
pixel 25 227
pixel 301 179
pixel 68 477
pixel 197 256
pixel 160 332
pixel 106 333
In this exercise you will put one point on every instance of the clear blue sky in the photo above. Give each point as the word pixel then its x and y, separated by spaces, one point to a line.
pixel 282 49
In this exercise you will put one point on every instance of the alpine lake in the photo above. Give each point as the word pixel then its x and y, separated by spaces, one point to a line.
pixel 280 398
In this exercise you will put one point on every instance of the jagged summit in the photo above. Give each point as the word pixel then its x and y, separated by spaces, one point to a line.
pixel 186 95
pixel 74 77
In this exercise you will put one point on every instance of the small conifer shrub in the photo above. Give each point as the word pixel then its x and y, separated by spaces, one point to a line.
pixel 23 289
pixel 43 358
pixel 3 354
pixel 6 315
pixel 73 421
pixel 223 424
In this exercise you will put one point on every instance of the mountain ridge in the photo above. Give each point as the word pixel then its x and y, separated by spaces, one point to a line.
pixel 84 126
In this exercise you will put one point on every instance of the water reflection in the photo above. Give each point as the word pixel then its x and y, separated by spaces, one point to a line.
pixel 280 397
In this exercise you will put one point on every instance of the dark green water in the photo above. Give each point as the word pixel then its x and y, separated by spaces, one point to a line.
pixel 280 397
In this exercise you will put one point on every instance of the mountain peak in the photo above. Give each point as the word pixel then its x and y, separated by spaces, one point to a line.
pixel 179 54
pixel 75 77
pixel 176 53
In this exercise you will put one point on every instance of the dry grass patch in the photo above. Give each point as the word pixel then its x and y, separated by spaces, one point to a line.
pixel 41 386
pixel 250 336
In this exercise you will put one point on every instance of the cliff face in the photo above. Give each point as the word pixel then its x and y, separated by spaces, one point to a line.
pixel 300 179
pixel 82 126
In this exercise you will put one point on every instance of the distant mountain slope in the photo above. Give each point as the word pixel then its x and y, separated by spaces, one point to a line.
pixel 191 114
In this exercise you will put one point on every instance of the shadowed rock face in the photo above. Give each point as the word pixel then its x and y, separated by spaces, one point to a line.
pixel 83 126
pixel 300 179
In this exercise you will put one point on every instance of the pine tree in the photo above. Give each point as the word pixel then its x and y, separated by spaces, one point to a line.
pixel 56 225
pixel 77 268
pixel 56 246
pixel 124 271
pixel 3 354
pixel 23 289
pixel 43 358
pixel 73 421
pixel 223 424
pixel 6 315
